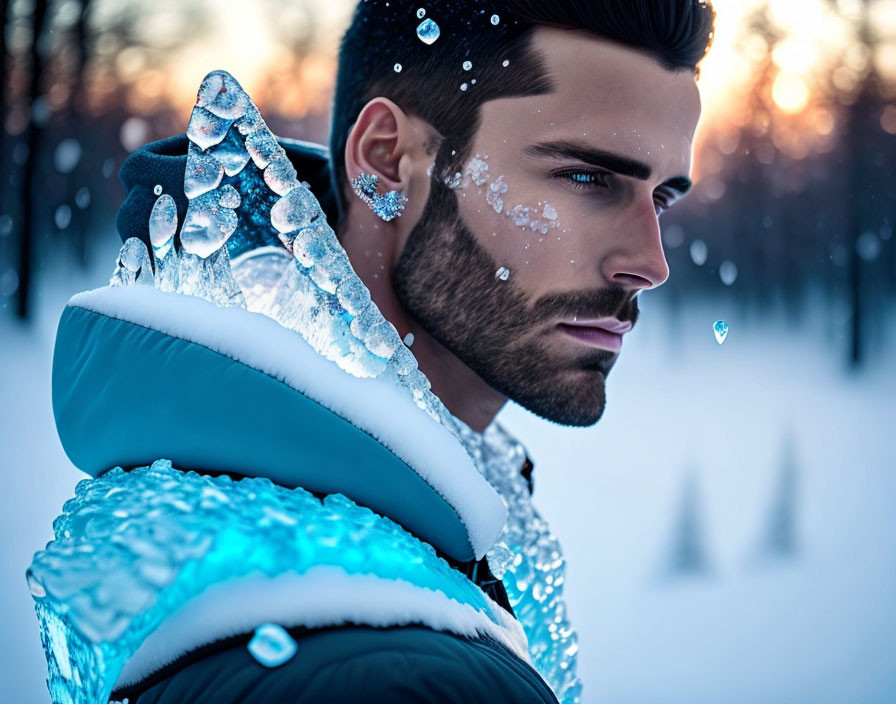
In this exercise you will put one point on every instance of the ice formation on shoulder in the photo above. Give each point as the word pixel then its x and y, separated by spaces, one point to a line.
pixel 132 547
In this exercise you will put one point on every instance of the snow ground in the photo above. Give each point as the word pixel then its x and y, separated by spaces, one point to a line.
pixel 817 626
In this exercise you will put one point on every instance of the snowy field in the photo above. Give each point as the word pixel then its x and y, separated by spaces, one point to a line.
pixel 729 524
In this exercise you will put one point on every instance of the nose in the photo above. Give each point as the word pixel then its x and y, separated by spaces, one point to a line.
pixel 637 260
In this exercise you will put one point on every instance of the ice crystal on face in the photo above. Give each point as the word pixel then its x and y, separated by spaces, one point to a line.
pixel 496 189
pixel 549 212
pixel 502 273
pixel 478 170
pixel 271 645
pixel 467 65
pixel 463 86
pixel 428 31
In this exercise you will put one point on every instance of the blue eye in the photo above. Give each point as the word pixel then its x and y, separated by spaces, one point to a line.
pixel 584 178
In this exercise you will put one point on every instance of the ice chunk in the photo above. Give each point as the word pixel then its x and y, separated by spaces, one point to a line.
pixel 206 129
pixel 280 175
pixel 295 210
pixel 231 153
pixel 133 265
pixel 502 273
pixel 271 645
pixel 162 225
pixel 262 146
pixel 221 95
pixel 203 172
pixel 207 225
pixel 229 197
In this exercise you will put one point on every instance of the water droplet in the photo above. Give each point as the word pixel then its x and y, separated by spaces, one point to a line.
pixel 157 190
pixel 271 645
pixel 408 339
pixel 505 63
pixel 463 86
pixel 698 252
pixel 502 273
pixel 728 272
pixel 421 13
pixel 397 68
pixel 495 19
pixel 467 65
pixel 82 197
pixel 428 31
pixel 720 328
pixel 63 216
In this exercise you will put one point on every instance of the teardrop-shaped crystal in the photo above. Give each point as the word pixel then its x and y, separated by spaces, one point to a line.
pixel 720 328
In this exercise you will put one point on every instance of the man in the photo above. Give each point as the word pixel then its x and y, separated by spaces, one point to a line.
pixel 496 182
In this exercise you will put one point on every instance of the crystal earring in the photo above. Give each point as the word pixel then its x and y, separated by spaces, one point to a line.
pixel 387 206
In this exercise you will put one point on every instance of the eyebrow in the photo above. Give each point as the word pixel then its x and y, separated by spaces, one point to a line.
pixel 617 163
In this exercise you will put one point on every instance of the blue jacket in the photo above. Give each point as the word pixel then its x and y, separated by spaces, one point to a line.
pixel 241 478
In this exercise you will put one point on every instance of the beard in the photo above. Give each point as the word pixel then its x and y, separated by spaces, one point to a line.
pixel 446 281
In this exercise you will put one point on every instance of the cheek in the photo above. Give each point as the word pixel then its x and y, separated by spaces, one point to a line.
pixel 538 239
pixel 522 229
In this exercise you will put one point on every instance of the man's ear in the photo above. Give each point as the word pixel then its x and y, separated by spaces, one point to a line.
pixel 376 142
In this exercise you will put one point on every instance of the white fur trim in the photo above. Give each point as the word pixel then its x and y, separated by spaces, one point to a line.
pixel 325 595
pixel 373 405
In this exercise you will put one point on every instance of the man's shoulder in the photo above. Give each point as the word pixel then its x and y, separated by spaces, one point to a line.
pixel 352 663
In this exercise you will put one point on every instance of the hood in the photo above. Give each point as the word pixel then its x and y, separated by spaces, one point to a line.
pixel 235 337
pixel 163 163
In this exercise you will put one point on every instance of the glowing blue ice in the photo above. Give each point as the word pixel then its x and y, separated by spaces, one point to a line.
pixel 428 31
pixel 720 329
pixel 271 645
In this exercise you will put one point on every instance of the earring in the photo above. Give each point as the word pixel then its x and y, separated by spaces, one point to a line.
pixel 387 206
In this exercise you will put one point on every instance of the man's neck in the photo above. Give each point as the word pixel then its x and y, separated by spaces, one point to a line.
pixel 464 393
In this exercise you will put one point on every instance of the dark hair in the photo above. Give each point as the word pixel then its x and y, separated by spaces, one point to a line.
pixel 382 33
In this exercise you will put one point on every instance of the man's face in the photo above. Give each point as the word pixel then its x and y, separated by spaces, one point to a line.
pixel 562 191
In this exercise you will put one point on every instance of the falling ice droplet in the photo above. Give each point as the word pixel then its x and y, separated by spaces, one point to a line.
pixel 720 328
pixel 157 190
pixel 271 645
pixel 467 65
pixel 502 273
pixel 495 19
pixel 428 31
pixel 397 68
pixel 463 86
pixel 505 63
pixel 421 13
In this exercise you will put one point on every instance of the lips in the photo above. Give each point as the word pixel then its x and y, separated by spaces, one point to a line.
pixel 605 333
